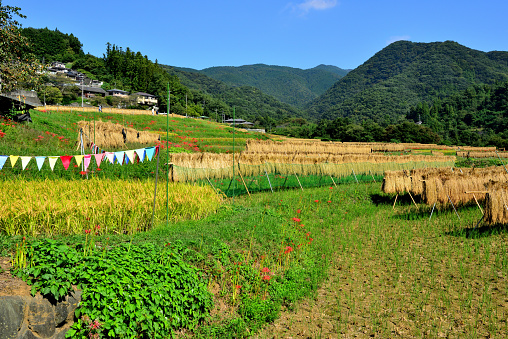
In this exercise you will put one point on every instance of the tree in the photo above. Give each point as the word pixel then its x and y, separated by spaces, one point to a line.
pixel 51 94
pixel 17 65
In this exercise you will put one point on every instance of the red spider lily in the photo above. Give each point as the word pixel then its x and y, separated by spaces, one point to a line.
pixel 82 172
pixel 267 278
pixel 238 287
pixel 289 249
pixel 265 270
pixel 331 188
pixel 296 219
pixel 94 325
pixel 316 200
pixel 298 211
pixel 329 201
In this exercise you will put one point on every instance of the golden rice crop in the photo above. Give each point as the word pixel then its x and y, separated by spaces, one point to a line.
pixel 108 134
pixel 50 207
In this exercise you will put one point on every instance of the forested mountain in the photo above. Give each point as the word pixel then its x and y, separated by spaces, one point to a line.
pixel 403 74
pixel 478 115
pixel 53 45
pixel 293 86
pixel 250 103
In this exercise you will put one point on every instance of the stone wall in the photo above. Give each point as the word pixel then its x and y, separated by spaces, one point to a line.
pixel 23 317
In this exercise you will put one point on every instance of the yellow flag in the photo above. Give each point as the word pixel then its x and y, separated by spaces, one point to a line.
pixel 13 159
pixel 79 159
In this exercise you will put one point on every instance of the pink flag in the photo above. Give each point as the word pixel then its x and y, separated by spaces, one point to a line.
pixel 66 160
pixel 86 161
pixel 98 159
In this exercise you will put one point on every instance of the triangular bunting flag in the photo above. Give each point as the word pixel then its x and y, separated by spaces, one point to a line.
pixel 25 161
pixel 14 159
pixel 150 151
pixel 130 155
pixel 52 162
pixel 98 159
pixel 66 161
pixel 40 162
pixel 119 156
pixel 141 154
pixel 111 157
pixel 79 159
pixel 86 161
pixel 3 159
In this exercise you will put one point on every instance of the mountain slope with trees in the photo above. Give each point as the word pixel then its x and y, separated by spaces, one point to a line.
pixel 290 85
pixel 250 103
pixel 403 74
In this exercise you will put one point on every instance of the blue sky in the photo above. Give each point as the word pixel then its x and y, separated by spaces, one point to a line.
pixel 296 33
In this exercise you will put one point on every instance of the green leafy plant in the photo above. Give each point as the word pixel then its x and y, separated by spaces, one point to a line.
pixel 130 290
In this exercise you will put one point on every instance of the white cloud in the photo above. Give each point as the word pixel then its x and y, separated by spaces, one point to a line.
pixel 392 39
pixel 309 5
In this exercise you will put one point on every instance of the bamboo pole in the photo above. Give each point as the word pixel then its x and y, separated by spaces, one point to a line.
pixel 155 192
pixel 268 180
pixel 453 205
pixel 431 212
pixel 395 201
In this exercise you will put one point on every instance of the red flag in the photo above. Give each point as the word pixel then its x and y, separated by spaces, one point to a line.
pixel 66 161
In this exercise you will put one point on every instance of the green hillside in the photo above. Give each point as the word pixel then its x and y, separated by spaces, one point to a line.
pixel 192 94
pixel 250 103
pixel 290 85
pixel 403 74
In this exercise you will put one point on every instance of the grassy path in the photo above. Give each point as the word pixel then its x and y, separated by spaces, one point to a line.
pixel 397 274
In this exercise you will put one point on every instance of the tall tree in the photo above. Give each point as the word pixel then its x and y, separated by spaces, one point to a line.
pixel 17 65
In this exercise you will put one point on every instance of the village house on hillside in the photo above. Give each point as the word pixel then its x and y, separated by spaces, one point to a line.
pixel 118 93
pixel 145 98
pixel 91 92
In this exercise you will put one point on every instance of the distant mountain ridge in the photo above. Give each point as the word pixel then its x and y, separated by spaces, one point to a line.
pixel 250 102
pixel 290 85
pixel 386 86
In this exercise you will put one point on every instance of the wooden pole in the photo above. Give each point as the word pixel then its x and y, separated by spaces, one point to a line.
pixel 395 201
pixel 477 203
pixel 413 199
pixel 241 176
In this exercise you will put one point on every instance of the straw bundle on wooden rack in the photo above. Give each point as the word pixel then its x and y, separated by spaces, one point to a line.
pixel 471 154
pixel 459 186
pixel 496 203
pixel 396 182
pixel 478 149
pixel 109 135
pixel 290 147
pixel 210 164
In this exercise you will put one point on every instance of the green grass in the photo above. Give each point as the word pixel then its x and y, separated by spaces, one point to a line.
pixel 20 139
pixel 386 272
pixel 55 134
